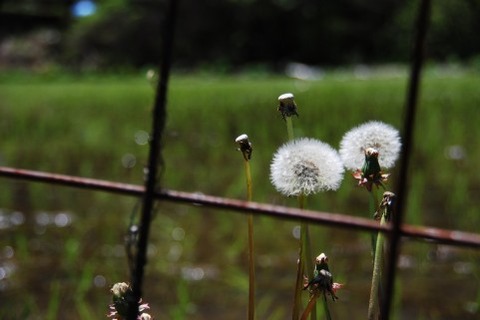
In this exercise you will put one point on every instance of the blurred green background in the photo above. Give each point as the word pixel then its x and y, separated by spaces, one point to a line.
pixel 62 248
pixel 76 95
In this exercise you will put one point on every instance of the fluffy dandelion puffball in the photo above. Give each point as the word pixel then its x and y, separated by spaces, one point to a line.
pixel 374 134
pixel 306 166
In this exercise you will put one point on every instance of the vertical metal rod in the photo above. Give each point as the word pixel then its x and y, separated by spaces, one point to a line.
pixel 158 124
pixel 411 104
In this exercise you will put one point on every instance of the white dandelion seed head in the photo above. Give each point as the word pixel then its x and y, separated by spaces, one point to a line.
pixel 380 136
pixel 306 166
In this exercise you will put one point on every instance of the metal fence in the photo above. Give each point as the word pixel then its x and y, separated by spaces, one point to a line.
pixel 152 192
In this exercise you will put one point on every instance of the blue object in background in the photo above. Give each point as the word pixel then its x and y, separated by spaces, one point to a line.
pixel 84 8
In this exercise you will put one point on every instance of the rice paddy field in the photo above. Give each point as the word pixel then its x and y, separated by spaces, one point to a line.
pixel 61 249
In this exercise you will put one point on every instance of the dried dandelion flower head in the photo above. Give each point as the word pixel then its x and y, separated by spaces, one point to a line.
pixel 287 106
pixel 122 294
pixel 371 172
pixel 306 166
pixel 245 146
pixel 322 258
pixel 380 136
pixel 120 289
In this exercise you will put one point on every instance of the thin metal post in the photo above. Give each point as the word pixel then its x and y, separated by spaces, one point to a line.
pixel 409 124
pixel 158 119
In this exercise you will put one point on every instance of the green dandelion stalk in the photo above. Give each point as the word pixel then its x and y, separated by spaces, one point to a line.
pixel 377 274
pixel 385 209
pixel 246 149
pixel 251 261
pixel 288 108
pixel 380 144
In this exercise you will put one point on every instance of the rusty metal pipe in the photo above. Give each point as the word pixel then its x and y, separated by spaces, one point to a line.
pixel 451 237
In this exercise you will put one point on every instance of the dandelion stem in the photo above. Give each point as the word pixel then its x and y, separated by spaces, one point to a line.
pixel 305 251
pixel 377 274
pixel 300 266
pixel 289 122
pixel 248 176
pixel 373 199
pixel 372 206
pixel 305 238
pixel 298 287
pixel 301 261
pixel 251 261
pixel 306 248
pixel 251 280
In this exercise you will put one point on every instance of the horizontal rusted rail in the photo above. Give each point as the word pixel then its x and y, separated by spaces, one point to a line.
pixel 458 238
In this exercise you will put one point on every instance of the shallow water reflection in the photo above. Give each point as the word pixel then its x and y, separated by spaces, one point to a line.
pixel 197 266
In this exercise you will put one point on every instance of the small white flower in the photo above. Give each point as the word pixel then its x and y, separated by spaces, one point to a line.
pixel 306 166
pixel 374 134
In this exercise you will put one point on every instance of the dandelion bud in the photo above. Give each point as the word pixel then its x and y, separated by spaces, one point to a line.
pixel 287 105
pixel 371 168
pixel 371 172
pixel 145 316
pixel 322 281
pixel 245 146
pixel 322 258
pixel 120 290
pixel 386 206
pixel 150 75
pixel 122 297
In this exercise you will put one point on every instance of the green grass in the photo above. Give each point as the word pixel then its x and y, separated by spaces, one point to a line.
pixel 85 126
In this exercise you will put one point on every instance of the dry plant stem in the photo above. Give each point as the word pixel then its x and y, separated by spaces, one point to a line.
pixel 373 305
pixel 309 307
pixel 312 304
pixel 251 260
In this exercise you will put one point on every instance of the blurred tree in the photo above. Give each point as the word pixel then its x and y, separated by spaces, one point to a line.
pixel 455 27
pixel 239 32
pixel 17 16
pixel 119 34
pixel 30 32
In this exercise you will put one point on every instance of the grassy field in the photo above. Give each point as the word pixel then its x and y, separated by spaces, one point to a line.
pixel 62 248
